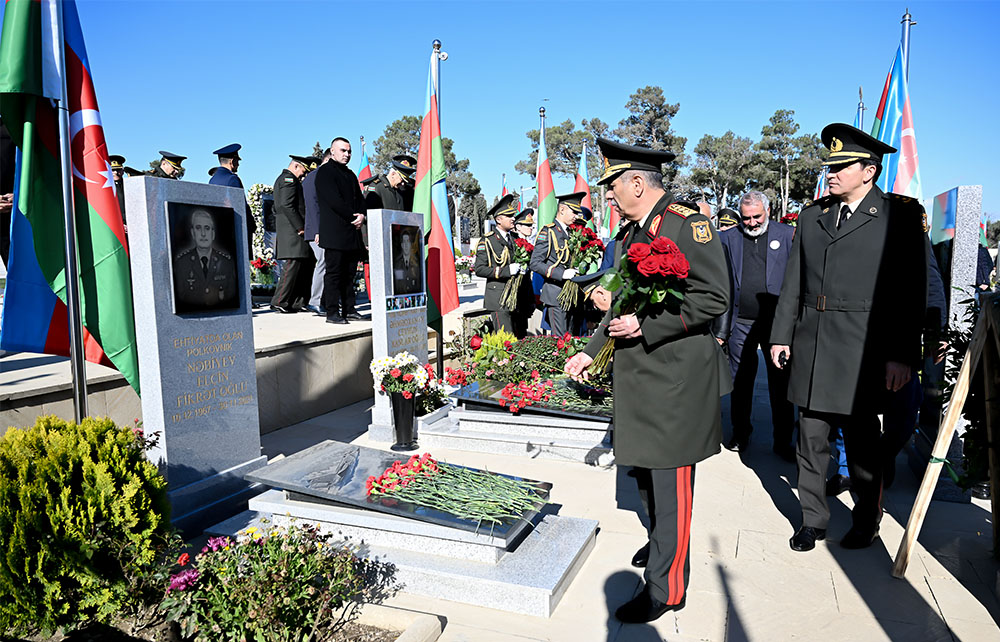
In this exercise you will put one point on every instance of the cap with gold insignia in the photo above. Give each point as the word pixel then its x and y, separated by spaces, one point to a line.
pixel 131 171
pixel 117 162
pixel 370 180
pixel 503 207
pixel 727 217
pixel 229 151
pixel 303 160
pixel 573 201
pixel 849 144
pixel 313 162
pixel 588 281
pixel 526 217
pixel 173 159
pixel 405 165
pixel 619 158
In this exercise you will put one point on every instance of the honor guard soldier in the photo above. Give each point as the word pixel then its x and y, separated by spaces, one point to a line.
pixel 848 326
pixel 118 171
pixel 493 261
pixel 204 275
pixel 169 167
pixel 225 175
pixel 551 259
pixel 524 224
pixel 668 372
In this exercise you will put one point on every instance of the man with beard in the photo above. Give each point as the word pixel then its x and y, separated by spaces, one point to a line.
pixel 757 254
pixel 668 371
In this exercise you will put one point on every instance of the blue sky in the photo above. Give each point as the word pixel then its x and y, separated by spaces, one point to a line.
pixel 191 76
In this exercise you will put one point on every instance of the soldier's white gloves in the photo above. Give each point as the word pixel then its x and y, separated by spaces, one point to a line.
pixel 569 274
pixel 515 268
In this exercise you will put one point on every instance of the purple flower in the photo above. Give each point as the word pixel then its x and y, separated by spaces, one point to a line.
pixel 183 580
pixel 216 544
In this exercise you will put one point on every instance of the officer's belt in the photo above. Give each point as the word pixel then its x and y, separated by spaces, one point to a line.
pixel 824 303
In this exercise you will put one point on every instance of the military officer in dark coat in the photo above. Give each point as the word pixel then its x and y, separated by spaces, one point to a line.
pixel 667 371
pixel 494 254
pixel 225 175
pixel 169 167
pixel 848 324
pixel 389 191
pixel 118 171
pixel 294 285
pixel 204 275
pixel 552 259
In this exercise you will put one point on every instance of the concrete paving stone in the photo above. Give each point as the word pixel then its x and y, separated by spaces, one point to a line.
pixel 776 582
pixel 971 631
pixel 886 597
pixel 465 633
pixel 757 546
pixel 977 545
pixel 958 600
pixel 702 618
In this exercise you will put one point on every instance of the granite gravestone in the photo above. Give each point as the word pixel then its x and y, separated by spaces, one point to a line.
pixel 194 331
pixel 399 299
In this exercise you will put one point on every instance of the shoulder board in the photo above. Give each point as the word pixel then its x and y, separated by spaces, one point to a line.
pixel 682 211
pixel 908 201
pixel 490 234
pixel 184 252
pixel 224 255
pixel 826 201
pixel 548 225
pixel 654 226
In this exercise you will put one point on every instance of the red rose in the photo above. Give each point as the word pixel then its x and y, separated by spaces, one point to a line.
pixel 662 245
pixel 638 252
pixel 507 345
pixel 408 377
pixel 475 342
pixel 674 265
pixel 395 372
pixel 183 559
pixel 407 394
pixel 649 265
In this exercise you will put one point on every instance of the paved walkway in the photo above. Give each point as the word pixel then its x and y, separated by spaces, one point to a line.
pixel 746 584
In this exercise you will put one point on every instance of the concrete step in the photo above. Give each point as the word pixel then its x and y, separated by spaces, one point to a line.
pixel 533 427
pixel 452 437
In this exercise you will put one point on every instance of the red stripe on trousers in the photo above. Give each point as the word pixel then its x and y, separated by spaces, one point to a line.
pixel 676 574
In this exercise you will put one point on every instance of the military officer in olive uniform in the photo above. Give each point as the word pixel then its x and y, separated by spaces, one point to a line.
pixel 169 167
pixel 204 275
pixel 389 190
pixel 293 289
pixel 667 370
pixel 493 262
pixel 551 259
pixel 118 171
pixel 848 325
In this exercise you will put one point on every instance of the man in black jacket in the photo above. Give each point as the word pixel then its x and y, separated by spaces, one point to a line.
pixel 341 215
pixel 290 219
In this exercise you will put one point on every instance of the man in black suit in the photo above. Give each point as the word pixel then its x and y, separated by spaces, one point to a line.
pixel 848 324
pixel 341 215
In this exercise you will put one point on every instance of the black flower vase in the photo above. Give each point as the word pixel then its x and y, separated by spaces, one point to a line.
pixel 402 421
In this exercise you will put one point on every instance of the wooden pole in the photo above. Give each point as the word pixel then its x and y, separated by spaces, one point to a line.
pixel 941 444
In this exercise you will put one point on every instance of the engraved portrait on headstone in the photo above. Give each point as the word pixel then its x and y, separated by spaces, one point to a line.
pixel 407 260
pixel 203 250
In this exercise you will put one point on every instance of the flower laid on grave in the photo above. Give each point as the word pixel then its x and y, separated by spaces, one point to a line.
pixel 792 218
pixel 522 255
pixel 516 396
pixel 262 270
pixel 475 495
pixel 651 275
pixel 586 253
pixel 464 268
pixel 405 374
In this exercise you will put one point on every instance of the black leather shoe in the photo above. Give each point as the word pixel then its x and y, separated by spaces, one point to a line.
pixel 806 537
pixel 641 557
pixel 785 451
pixel 282 310
pixel 353 316
pixel 857 538
pixel 643 608
pixel 738 445
pixel 337 320
pixel 837 484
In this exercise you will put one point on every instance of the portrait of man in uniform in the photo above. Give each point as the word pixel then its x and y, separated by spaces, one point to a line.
pixel 407 260
pixel 203 247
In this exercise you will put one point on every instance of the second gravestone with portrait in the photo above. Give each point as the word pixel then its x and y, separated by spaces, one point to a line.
pixel 194 332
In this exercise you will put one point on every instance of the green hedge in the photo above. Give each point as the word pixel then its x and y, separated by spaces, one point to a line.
pixel 84 523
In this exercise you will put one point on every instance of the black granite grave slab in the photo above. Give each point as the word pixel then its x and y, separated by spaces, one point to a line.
pixel 485 395
pixel 336 472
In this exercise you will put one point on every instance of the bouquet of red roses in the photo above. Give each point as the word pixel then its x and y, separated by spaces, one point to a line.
pixel 585 255
pixel 650 274
pixel 522 255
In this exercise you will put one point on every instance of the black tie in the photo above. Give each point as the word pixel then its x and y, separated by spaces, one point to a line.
pixel 204 265
pixel 845 214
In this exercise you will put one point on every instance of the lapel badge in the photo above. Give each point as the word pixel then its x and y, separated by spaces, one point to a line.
pixel 701 231
pixel 826 210
pixel 873 210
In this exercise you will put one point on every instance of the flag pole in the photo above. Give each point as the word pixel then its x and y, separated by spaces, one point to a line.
pixel 77 363
pixel 861 110
pixel 436 79
pixel 907 22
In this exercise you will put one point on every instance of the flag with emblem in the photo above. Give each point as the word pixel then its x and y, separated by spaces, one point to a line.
pixel 894 126
pixel 430 198
pixel 582 186
pixel 34 312
pixel 365 168
pixel 545 212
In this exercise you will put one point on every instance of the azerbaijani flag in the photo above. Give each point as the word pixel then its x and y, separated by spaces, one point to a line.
pixel 894 126
pixel 822 187
pixel 581 180
pixel 503 185
pixel 365 168
pixel 430 198
pixel 546 209
pixel 612 217
pixel 34 312
pixel 944 207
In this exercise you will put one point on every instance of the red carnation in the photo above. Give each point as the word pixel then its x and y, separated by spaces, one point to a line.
pixel 507 345
pixel 475 342
pixel 407 394
pixel 638 252
pixel 649 265
pixel 183 559
pixel 395 372
pixel 408 377
pixel 663 245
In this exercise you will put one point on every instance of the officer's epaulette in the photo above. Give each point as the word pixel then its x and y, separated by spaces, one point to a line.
pixel 552 224
pixel 905 200
pixel 654 226
pixel 488 235
pixel 682 211
pixel 224 255
pixel 826 201
pixel 185 252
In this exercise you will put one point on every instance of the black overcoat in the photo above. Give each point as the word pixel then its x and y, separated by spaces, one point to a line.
pixel 340 199
pixel 290 218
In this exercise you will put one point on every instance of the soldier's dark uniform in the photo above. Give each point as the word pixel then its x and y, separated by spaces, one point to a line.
pixel 173 159
pixel 526 294
pixel 493 258
pixel 667 382
pixel 383 195
pixel 853 299
pixel 227 178
pixel 551 258
pixel 204 285
pixel 293 289
pixel 118 163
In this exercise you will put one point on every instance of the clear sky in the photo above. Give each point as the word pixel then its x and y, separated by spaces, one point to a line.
pixel 190 76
